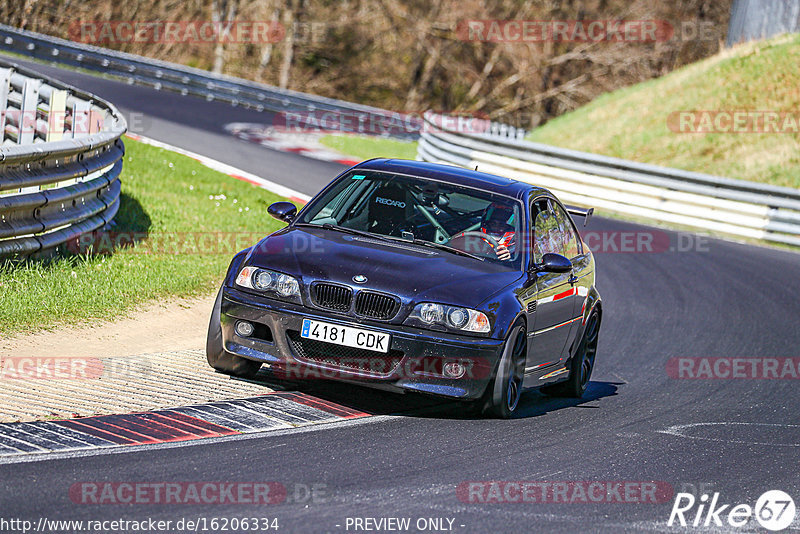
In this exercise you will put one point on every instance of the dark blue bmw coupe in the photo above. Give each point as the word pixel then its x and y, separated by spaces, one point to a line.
pixel 420 277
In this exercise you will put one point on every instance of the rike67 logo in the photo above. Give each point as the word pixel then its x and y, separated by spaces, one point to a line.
pixel 774 510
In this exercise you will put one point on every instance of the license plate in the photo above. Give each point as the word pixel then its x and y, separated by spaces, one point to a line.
pixel 345 335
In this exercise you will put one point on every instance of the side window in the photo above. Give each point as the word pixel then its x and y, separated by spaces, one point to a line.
pixel 546 235
pixel 570 238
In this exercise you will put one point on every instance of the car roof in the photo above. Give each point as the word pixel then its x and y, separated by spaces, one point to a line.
pixel 453 175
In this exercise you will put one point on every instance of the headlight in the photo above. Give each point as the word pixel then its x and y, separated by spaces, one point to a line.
pixel 452 317
pixel 286 286
pixel 458 317
pixel 262 280
pixel 431 313
pixel 269 281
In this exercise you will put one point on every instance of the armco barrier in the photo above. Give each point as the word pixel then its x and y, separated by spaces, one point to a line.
pixel 60 161
pixel 735 207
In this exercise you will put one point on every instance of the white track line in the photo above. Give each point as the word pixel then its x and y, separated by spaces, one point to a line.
pixel 680 431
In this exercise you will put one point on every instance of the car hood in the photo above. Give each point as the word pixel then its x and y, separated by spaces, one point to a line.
pixel 409 271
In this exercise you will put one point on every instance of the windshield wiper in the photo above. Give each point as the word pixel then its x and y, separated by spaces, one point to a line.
pixel 440 246
pixel 363 233
pixel 345 230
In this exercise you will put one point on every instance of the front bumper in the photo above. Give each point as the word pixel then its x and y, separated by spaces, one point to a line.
pixel 414 362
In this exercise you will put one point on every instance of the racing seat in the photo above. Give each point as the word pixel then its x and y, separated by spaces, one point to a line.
pixel 390 210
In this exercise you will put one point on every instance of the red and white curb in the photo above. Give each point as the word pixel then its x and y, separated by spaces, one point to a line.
pixel 274 411
pixel 305 144
pixel 239 174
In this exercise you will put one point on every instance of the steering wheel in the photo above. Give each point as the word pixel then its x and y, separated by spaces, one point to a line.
pixel 484 237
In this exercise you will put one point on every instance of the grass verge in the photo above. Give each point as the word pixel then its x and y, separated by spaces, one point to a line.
pixel 367 147
pixel 194 218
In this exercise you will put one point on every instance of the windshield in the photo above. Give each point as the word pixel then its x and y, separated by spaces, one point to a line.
pixel 483 224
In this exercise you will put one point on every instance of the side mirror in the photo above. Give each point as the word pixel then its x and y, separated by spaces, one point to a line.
pixel 553 263
pixel 283 211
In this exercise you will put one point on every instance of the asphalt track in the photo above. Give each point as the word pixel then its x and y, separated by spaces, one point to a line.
pixel 717 299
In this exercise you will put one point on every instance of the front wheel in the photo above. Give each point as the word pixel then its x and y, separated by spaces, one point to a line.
pixel 503 393
pixel 582 362
pixel 218 357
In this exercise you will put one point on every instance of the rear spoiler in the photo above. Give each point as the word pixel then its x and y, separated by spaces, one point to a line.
pixel 581 212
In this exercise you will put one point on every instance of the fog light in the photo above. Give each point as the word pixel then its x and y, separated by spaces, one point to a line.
pixel 454 369
pixel 243 329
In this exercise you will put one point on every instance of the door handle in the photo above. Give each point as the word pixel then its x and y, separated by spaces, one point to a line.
pixel 573 279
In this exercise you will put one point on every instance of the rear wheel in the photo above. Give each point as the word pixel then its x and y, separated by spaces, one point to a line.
pixel 581 364
pixel 218 357
pixel 503 393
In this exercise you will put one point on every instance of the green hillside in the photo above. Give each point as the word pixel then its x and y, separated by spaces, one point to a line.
pixel 632 123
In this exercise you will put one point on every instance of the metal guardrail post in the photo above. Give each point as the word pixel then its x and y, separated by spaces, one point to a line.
pixel 80 118
pixel 57 113
pixel 5 86
pixel 27 118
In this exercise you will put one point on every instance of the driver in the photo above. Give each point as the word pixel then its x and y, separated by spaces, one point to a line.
pixel 498 222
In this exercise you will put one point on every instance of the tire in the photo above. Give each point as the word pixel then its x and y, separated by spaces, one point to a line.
pixel 503 393
pixel 218 357
pixel 581 364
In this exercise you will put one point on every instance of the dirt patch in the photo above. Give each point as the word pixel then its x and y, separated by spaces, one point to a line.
pixel 176 325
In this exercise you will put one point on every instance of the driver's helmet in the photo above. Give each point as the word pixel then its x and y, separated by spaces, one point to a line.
pixel 498 222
